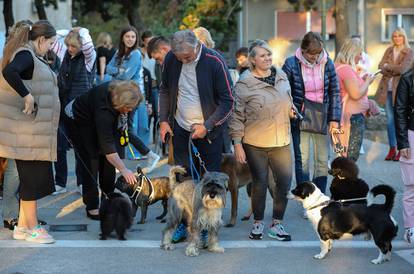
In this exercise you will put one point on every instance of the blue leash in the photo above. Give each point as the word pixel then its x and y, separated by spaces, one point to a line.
pixel 192 149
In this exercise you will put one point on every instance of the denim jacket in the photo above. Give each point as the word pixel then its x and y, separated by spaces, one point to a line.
pixel 130 68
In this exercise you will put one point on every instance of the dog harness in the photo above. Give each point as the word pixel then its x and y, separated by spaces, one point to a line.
pixel 138 189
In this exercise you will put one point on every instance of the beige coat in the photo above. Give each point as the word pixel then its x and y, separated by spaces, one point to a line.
pixel 30 137
pixel 261 114
pixel 403 63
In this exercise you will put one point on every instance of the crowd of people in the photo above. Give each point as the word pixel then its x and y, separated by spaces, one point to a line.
pixel 103 101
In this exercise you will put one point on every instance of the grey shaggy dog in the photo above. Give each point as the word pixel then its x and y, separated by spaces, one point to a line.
pixel 201 205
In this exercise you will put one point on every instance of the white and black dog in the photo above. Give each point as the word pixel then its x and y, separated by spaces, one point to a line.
pixel 333 221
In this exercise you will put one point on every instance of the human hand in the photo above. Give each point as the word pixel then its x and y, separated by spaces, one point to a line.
pixel 199 131
pixel 164 129
pixel 239 153
pixel 29 104
pixel 406 153
pixel 333 127
pixel 129 176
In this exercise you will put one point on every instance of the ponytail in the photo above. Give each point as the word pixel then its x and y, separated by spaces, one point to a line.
pixel 23 32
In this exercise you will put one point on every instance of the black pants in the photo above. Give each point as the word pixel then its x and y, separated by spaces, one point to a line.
pixel 210 152
pixel 279 161
pixel 93 167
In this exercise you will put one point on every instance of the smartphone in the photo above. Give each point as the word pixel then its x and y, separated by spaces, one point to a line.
pixel 377 72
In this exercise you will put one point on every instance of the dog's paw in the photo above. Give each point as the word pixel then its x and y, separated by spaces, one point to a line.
pixel 216 249
pixel 192 251
pixel 319 256
pixel 167 247
pixel 377 261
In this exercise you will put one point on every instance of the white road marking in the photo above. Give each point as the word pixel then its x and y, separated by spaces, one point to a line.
pixel 225 244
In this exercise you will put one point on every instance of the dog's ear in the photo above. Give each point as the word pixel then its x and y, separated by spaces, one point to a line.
pixel 139 169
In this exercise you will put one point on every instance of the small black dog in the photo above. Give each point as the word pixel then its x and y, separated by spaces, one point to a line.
pixel 116 214
pixel 346 184
pixel 145 193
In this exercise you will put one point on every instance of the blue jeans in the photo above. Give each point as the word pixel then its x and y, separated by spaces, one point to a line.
pixel 295 130
pixel 279 160
pixel 389 110
pixel 320 158
pixel 11 191
pixel 356 136
pixel 140 126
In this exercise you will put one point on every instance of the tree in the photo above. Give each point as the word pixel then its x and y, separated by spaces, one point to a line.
pixel 40 7
pixel 8 15
pixel 341 23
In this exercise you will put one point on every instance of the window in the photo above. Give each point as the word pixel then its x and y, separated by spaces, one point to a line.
pixel 393 18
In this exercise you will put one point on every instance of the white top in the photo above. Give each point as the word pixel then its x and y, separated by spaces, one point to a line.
pixel 149 64
pixel 188 102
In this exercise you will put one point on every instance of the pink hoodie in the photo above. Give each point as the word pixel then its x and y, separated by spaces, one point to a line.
pixel 313 76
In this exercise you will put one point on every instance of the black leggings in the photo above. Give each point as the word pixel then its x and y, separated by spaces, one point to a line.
pixel 279 161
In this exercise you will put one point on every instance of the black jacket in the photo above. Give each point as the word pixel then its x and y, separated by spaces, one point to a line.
pixel 404 109
pixel 93 111
pixel 214 86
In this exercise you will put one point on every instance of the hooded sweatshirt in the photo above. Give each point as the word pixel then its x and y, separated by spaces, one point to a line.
pixel 312 75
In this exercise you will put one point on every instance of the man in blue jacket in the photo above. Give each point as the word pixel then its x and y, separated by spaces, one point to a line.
pixel 195 99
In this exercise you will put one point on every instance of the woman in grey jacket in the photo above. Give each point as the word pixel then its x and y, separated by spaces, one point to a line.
pixel 260 129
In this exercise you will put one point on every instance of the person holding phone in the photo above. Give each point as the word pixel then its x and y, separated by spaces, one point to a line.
pixel 353 90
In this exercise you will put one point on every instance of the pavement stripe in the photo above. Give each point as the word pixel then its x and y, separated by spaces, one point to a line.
pixel 225 244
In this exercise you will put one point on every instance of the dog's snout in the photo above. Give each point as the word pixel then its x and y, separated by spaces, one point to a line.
pixel 212 195
pixel 330 172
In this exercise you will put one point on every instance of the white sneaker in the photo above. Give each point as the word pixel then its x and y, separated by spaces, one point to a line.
pixel 409 235
pixel 153 160
pixel 20 233
pixel 39 235
pixel 59 190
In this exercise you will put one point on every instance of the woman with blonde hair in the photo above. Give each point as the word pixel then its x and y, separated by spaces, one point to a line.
pixel 204 37
pixel 104 51
pixel 29 136
pixel 100 121
pixel 260 130
pixel 397 59
pixel 353 90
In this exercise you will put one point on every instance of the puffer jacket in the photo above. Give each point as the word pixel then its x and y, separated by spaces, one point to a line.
pixel 292 68
pixel 30 137
pixel 261 114
pixel 404 109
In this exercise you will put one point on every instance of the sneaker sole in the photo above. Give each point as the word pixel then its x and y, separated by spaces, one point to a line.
pixel 279 238
pixel 38 241
pixel 254 237
pixel 22 237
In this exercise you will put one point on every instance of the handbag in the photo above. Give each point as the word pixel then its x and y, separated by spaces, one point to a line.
pixel 314 117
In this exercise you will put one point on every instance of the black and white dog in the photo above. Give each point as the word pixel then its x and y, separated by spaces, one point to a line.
pixel 332 221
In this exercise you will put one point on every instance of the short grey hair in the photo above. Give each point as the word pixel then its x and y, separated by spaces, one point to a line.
pixel 183 39
pixel 258 43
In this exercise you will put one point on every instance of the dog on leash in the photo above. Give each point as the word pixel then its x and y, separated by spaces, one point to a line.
pixel 201 205
pixel 116 214
pixel 152 190
pixel 239 176
pixel 332 221
pixel 346 184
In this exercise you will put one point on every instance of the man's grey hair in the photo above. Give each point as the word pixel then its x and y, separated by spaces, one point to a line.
pixel 183 39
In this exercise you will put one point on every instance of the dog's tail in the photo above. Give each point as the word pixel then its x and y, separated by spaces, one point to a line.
pixel 173 171
pixel 385 190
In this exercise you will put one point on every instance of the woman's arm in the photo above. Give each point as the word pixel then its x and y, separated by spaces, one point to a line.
pixel 102 65
pixel 133 65
pixel 401 111
pixel 87 48
pixel 20 67
pixel 406 64
pixel 114 159
pixel 112 68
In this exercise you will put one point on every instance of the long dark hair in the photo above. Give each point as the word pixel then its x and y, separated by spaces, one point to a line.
pixel 122 49
pixel 23 32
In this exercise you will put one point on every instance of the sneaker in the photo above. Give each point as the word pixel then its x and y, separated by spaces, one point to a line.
pixel 39 235
pixel 257 231
pixel 277 231
pixel 180 234
pixel 59 190
pixel 20 233
pixel 153 160
pixel 204 238
pixel 409 235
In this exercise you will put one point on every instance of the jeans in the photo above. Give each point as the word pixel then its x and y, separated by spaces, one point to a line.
pixel 155 98
pixel 279 161
pixel 11 191
pixel 140 126
pixel 295 130
pixel 389 110
pixel 356 136
pixel 320 158
pixel 210 152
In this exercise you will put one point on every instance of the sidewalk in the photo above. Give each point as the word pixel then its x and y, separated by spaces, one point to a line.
pixel 68 208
